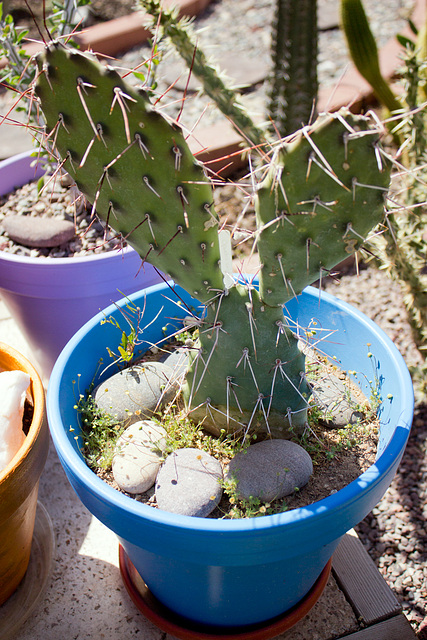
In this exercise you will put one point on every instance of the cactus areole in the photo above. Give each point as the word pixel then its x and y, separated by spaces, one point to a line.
pixel 319 197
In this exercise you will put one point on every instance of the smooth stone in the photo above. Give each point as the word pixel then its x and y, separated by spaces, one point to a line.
pixel 138 456
pixel 41 232
pixel 137 392
pixel 178 361
pixel 189 483
pixel 337 401
pixel 270 469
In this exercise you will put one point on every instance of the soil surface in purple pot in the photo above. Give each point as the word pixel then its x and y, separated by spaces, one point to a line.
pixel 62 204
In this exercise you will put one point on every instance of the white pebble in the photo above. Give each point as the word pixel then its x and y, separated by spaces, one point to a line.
pixel 138 456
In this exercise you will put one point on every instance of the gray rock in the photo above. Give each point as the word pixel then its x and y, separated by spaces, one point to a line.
pixel 188 483
pixel 138 456
pixel 43 231
pixel 270 469
pixel 137 392
pixel 178 361
pixel 338 402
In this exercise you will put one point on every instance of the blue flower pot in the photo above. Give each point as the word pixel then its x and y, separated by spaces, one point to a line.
pixel 235 572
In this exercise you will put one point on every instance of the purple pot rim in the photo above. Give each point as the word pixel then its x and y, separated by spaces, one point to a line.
pixel 47 261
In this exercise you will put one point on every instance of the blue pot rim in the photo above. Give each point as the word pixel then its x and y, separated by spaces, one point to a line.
pixel 367 481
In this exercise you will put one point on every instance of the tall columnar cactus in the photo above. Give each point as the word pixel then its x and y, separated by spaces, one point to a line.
pixel 293 86
pixel 320 196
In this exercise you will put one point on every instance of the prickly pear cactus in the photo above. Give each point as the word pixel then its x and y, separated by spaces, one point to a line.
pixel 133 166
pixel 321 195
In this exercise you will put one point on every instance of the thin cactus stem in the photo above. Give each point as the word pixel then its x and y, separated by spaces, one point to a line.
pixel 364 52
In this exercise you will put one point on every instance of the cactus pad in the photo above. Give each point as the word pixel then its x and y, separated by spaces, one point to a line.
pixel 323 195
pixel 133 165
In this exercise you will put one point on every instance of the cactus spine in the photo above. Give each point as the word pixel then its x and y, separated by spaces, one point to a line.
pixel 322 193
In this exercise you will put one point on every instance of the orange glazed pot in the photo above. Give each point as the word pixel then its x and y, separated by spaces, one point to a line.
pixel 19 482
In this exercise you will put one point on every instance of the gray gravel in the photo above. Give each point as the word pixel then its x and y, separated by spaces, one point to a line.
pixel 395 533
pixel 229 31
pixel 55 204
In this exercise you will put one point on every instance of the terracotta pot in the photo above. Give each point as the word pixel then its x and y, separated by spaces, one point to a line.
pixel 19 482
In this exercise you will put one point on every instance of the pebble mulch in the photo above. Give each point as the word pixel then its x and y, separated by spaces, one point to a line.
pixel 56 202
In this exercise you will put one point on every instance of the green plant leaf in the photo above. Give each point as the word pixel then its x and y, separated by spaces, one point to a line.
pixel 405 41
pixel 40 184
pixel 412 27
pixel 138 76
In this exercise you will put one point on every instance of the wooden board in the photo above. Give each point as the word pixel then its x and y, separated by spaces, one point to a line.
pixel 396 628
pixel 363 585
pixel 374 604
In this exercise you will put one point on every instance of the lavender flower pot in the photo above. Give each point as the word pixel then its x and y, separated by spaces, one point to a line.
pixel 234 573
pixel 51 298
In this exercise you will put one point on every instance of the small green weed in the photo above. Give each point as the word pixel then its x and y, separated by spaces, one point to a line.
pixel 128 341
pixel 183 433
pixel 248 508
pixel 100 432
